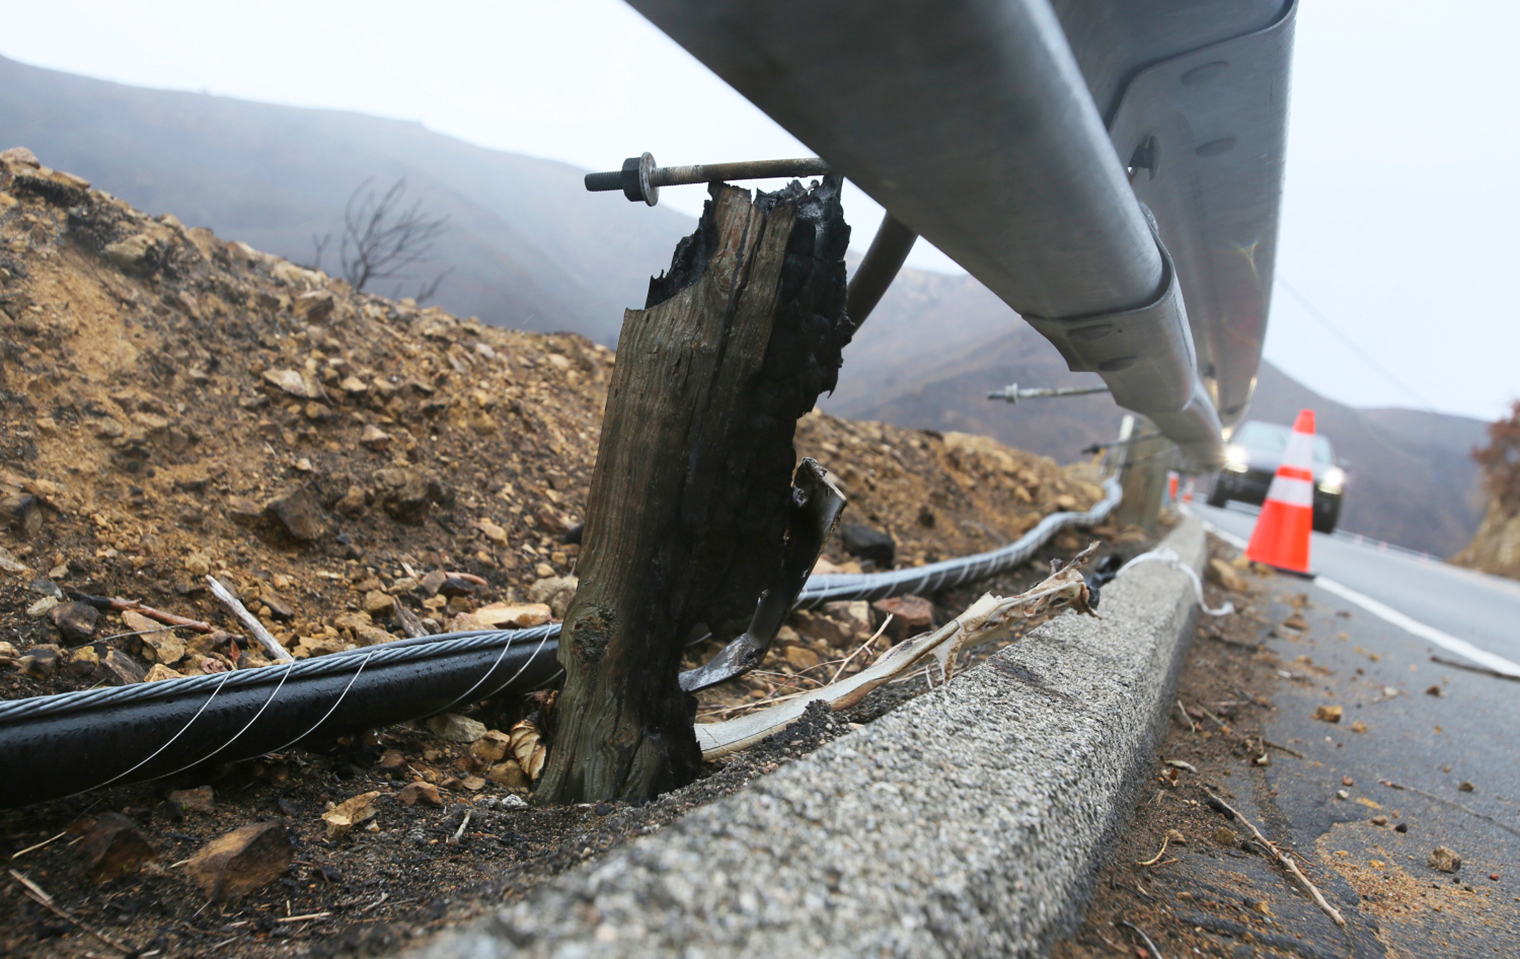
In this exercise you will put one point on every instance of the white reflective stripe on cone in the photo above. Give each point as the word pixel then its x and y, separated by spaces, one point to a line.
pixel 1300 450
pixel 1292 492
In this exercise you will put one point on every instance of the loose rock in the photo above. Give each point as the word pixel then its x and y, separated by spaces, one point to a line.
pixel 1224 575
pixel 374 438
pixel 129 254
pixel 516 615
pixel 491 747
pixel 9 563
pixel 456 728
pixel 22 513
pixel 871 544
pixel 113 847
pixel 425 793
pixel 1328 714
pixel 42 607
pixel 801 658
pixel 348 814
pixel 122 669
pixel 556 592
pixel 911 615
pixel 294 510
pixel 163 647
pixel 854 616
pixel 243 861
pixel 279 607
pixel 1445 859
pixel 138 623
pixel 296 384
pixel 39 661
pixel 510 774
pixel 198 800
pixel 75 621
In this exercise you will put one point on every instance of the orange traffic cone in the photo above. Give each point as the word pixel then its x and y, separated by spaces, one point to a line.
pixel 1171 487
pixel 1187 494
pixel 1281 537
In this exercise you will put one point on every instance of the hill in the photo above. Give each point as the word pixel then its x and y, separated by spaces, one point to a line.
pixel 174 405
pixel 529 248
pixel 1413 479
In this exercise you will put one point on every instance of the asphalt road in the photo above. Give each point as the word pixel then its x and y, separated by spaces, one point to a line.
pixel 1483 610
pixel 1446 736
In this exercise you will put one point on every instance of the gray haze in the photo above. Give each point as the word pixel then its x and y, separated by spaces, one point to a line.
pixel 1400 184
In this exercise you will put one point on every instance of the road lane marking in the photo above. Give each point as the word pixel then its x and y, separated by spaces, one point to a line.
pixel 1459 646
pixel 1390 615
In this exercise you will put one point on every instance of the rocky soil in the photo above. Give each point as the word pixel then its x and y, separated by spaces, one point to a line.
pixel 175 406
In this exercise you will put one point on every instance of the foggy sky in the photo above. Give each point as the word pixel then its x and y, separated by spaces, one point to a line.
pixel 1398 221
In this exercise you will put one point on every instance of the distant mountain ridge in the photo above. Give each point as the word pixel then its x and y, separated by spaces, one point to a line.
pixel 531 249
pixel 927 357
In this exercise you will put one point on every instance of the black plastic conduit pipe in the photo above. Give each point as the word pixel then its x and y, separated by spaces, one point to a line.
pixel 61 745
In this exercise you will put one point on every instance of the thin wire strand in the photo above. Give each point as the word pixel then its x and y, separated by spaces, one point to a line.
pixel 332 709
pixel 153 755
pixel 246 726
pixel 1350 344
pixel 499 657
pixel 536 650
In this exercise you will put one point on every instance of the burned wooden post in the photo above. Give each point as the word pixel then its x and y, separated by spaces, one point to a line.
pixel 691 494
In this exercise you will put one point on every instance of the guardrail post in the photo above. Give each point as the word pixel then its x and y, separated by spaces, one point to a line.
pixel 1145 460
pixel 691 495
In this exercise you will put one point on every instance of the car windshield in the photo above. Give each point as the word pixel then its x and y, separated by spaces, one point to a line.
pixel 1273 439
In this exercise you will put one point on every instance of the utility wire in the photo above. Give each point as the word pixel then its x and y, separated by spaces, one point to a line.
pixel 1324 320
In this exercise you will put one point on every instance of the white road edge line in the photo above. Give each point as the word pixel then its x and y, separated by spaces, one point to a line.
pixel 1390 615
pixel 1459 646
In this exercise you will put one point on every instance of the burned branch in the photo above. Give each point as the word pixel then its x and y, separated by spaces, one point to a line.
pixel 384 239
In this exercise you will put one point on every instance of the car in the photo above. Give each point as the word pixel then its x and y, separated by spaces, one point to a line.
pixel 1252 458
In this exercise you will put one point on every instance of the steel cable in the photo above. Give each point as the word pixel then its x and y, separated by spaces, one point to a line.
pixel 820 589
pixel 54 746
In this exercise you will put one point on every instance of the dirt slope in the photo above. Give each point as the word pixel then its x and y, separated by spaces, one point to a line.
pixel 173 405
pixel 527 246
pixel 1413 481
pixel 176 405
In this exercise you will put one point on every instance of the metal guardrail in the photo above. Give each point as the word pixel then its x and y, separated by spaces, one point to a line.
pixel 1383 546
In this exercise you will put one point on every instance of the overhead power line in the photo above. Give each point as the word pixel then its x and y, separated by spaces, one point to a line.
pixel 1350 344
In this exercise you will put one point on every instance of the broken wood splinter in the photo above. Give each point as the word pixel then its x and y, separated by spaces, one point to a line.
pixel 250 622
pixel 1157 857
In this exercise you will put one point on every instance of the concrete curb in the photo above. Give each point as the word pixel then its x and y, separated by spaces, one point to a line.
pixel 968 822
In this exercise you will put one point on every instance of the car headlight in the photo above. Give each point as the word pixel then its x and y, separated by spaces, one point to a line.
pixel 1235 459
pixel 1333 480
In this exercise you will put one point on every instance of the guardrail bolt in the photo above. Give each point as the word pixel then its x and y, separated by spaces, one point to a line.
pixel 641 179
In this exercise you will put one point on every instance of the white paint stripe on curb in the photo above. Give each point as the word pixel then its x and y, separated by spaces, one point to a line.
pixel 1459 646
pixel 1228 537
pixel 1390 615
